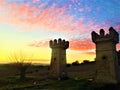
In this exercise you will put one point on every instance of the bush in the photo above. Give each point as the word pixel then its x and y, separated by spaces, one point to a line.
pixel 76 63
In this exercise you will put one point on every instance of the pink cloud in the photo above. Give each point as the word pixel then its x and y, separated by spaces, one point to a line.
pixel 1 1
pixel 88 9
pixel 81 9
pixel 34 1
pixel 117 27
pixel 50 18
pixel 85 44
pixel 74 0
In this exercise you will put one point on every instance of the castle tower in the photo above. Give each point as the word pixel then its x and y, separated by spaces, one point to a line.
pixel 58 58
pixel 106 56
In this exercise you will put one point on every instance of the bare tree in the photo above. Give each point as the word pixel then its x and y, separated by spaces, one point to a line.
pixel 21 63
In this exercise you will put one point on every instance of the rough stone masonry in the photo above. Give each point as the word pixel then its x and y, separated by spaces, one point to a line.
pixel 107 68
pixel 58 58
pixel 106 65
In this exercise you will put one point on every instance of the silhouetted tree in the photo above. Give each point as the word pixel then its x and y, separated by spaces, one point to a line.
pixel 76 63
pixel 20 63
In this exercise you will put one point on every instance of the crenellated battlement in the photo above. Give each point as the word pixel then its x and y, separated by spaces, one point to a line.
pixel 59 43
pixel 113 35
pixel 58 58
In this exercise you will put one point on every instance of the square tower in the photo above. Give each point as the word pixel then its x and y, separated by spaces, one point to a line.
pixel 107 68
pixel 58 58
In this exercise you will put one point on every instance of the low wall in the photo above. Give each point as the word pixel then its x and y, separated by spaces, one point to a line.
pixel 82 71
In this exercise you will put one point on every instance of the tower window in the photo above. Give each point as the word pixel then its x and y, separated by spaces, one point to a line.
pixel 104 57
pixel 54 59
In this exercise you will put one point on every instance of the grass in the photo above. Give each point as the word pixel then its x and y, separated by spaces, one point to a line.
pixel 69 84
pixel 13 83
pixel 36 81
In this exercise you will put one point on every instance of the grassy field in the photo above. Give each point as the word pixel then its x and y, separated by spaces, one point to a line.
pixel 36 80
pixel 13 83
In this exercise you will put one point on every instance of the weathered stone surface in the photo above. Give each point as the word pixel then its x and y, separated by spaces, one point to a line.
pixel 107 68
pixel 58 58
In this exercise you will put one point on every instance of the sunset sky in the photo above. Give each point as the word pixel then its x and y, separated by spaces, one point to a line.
pixel 28 25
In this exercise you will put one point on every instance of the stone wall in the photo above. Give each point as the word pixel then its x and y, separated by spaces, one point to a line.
pixel 82 71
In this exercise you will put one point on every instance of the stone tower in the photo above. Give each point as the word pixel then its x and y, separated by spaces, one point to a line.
pixel 58 58
pixel 106 56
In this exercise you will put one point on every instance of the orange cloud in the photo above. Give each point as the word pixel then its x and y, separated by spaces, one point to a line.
pixel 89 53
pixel 43 43
pixel 118 46
pixel 85 44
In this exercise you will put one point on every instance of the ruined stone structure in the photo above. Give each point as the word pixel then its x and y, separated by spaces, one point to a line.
pixel 58 58
pixel 106 56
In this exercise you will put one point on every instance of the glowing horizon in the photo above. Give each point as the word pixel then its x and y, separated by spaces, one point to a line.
pixel 28 25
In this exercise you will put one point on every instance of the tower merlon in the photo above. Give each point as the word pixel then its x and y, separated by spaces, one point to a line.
pixel 94 36
pixel 59 43
pixel 114 34
pixel 102 32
